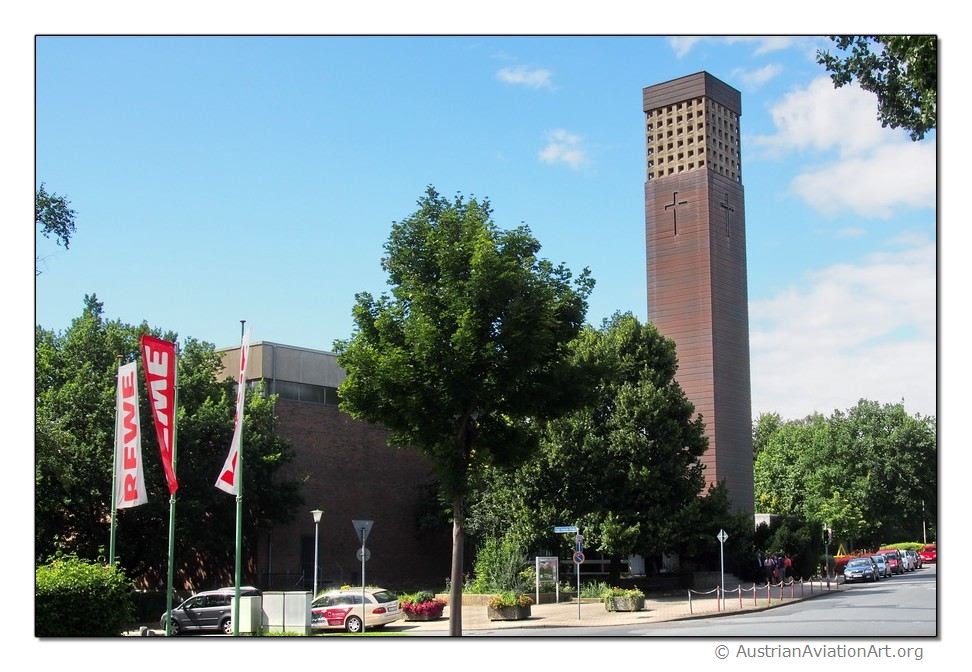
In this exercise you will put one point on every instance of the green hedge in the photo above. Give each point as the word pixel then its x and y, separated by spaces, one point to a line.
pixel 79 598
pixel 906 546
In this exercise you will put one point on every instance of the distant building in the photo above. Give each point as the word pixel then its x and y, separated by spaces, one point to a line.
pixel 346 469
pixel 695 223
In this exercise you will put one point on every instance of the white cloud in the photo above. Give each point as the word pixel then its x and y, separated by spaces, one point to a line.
pixel 871 170
pixel 864 330
pixel 822 117
pixel 902 174
pixel 753 79
pixel 762 45
pixel 521 75
pixel 682 45
pixel 564 147
pixel 765 45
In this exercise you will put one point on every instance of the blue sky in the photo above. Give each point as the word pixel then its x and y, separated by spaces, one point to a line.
pixel 266 172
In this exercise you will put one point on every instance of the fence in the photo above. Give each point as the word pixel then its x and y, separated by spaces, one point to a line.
pixel 769 590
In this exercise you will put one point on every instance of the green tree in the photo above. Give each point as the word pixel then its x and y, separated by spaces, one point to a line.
pixel 624 466
pixel 75 401
pixel 869 473
pixel 54 217
pixel 470 350
pixel 902 70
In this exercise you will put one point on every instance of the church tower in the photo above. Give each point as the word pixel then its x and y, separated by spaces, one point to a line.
pixel 695 227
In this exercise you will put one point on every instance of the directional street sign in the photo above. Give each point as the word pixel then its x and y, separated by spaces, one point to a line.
pixel 362 527
pixel 565 529
pixel 578 557
pixel 722 536
pixel 363 554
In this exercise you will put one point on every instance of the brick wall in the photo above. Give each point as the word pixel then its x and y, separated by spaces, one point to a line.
pixel 347 470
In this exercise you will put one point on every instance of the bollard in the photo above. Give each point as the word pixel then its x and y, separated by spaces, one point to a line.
pixel 690 601
pixel 718 598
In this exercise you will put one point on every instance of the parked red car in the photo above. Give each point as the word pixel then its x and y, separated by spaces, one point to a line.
pixel 929 553
pixel 894 560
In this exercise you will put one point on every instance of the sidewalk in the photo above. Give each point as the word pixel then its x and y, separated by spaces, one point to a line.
pixel 593 613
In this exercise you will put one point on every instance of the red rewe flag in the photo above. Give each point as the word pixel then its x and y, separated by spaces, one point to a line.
pixel 228 480
pixel 159 362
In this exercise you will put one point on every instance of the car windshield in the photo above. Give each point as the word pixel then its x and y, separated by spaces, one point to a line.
pixel 385 596
pixel 859 563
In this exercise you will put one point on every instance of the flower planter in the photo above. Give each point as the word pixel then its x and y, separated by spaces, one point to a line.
pixel 433 615
pixel 508 613
pixel 624 603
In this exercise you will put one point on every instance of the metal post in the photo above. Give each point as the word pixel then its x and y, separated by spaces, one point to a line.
pixel 317 513
pixel 114 475
pixel 170 571
pixel 362 582
pixel 238 573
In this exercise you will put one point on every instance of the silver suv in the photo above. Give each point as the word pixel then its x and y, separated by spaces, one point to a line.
pixel 208 610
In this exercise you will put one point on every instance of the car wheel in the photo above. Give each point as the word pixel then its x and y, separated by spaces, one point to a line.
pixel 353 624
pixel 226 626
pixel 176 631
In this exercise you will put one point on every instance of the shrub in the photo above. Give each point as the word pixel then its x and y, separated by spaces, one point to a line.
pixel 906 546
pixel 421 603
pixel 621 592
pixel 498 566
pixel 79 598
pixel 510 599
pixel 594 589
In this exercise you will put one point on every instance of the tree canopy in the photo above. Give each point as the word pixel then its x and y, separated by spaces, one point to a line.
pixel 74 433
pixel 902 70
pixel 869 473
pixel 624 466
pixel 54 217
pixel 468 352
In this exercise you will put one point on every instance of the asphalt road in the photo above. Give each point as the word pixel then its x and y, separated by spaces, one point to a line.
pixel 904 606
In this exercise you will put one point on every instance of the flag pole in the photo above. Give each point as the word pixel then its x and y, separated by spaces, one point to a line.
pixel 239 502
pixel 170 576
pixel 114 472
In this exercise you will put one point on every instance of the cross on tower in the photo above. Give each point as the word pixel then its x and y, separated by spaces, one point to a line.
pixel 729 210
pixel 674 206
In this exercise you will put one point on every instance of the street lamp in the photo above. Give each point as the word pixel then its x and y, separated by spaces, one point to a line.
pixel 317 513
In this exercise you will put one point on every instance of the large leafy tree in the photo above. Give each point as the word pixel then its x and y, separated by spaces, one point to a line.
pixel 468 352
pixel 75 398
pixel 624 466
pixel 869 473
pixel 902 70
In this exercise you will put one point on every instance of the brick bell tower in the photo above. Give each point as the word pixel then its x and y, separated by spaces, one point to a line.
pixel 695 226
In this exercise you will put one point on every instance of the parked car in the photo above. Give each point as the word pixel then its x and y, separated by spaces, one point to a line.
pixel 344 609
pixel 915 558
pixel 860 569
pixel 894 560
pixel 908 562
pixel 884 571
pixel 208 610
pixel 929 553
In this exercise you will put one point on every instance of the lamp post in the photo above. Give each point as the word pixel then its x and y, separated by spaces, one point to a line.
pixel 317 513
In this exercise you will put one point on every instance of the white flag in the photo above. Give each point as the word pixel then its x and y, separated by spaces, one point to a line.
pixel 227 481
pixel 129 480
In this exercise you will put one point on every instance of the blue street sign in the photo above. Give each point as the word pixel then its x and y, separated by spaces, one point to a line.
pixel 565 529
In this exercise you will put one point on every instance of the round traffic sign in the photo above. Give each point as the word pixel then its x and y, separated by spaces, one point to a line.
pixel 578 557
pixel 366 552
